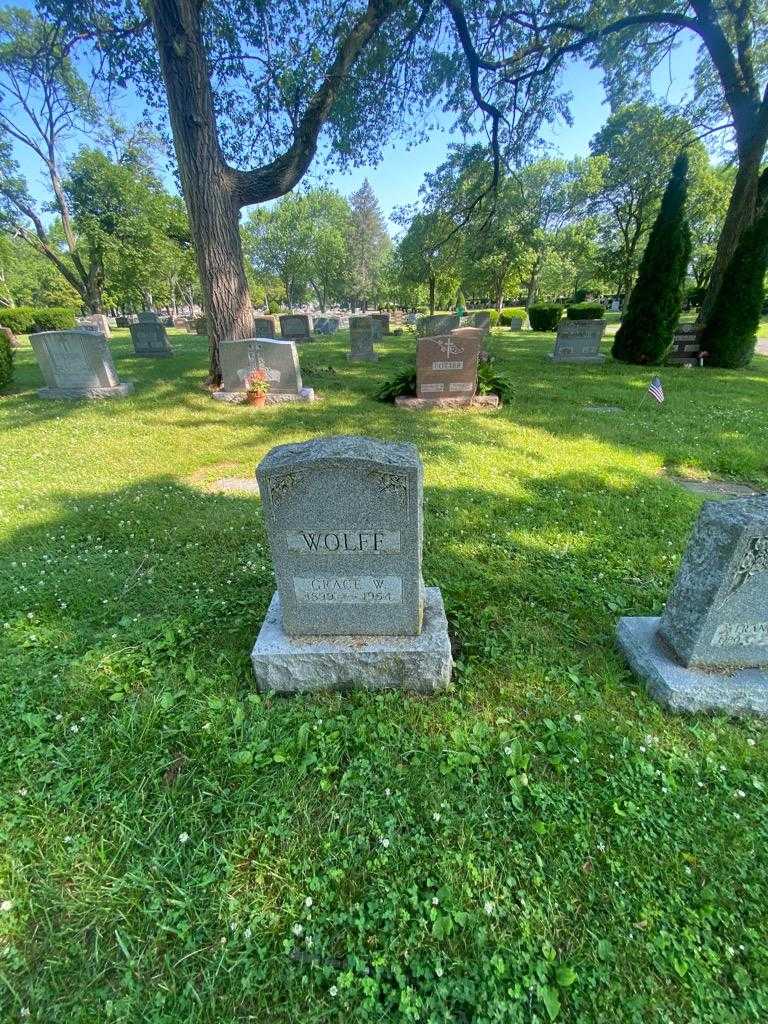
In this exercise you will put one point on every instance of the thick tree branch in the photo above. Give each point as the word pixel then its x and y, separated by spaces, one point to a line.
pixel 279 176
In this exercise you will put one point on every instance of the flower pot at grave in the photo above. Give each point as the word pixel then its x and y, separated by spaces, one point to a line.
pixel 253 398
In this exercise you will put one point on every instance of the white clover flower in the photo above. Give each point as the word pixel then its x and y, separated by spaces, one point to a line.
pixel 435 901
pixel 308 901
pixel 489 907
pixel 384 842
pixel 184 838
pixel 298 929
pixel 74 728
pixel 24 1011
pixel 6 905
pixel 23 791
pixel 577 718
pixel 333 991
pixel 750 741
pixel 439 972
pixel 739 794
pixel 247 933
pixel 387 792
pixel 436 816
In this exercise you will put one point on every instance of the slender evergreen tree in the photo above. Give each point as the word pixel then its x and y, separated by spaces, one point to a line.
pixel 731 330
pixel 653 310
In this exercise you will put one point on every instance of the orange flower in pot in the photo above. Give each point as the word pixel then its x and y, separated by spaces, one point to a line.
pixel 256 388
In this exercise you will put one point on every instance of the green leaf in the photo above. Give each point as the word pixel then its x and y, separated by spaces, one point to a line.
pixel 551 1001
pixel 605 949
pixel 565 975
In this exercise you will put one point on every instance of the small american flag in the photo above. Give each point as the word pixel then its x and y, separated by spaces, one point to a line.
pixel 655 388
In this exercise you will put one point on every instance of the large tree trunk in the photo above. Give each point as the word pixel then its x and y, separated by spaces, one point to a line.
pixel 207 183
pixel 742 210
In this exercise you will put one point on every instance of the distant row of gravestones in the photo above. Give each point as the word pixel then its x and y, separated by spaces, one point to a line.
pixel 79 364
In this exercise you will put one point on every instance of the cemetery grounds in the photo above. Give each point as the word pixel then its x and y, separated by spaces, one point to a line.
pixel 540 843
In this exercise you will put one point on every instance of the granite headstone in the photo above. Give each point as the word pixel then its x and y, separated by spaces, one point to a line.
pixel 482 321
pixel 276 357
pixel 344 523
pixel 709 649
pixel 150 339
pixel 578 341
pixel 147 316
pixel 296 326
pixel 686 344
pixel 77 364
pixel 264 327
pixel 384 320
pixel 440 323
pixel 361 335
pixel 446 364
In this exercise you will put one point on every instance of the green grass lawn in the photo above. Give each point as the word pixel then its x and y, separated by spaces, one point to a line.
pixel 542 842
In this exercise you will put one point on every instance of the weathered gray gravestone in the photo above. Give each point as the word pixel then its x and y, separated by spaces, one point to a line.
pixel 440 323
pixel 77 364
pixel 578 341
pixel 150 339
pixel 383 319
pixel 276 357
pixel 99 322
pixel 515 323
pixel 264 327
pixel 296 326
pixel 361 335
pixel 709 650
pixel 482 321
pixel 686 344
pixel 146 316
pixel 344 522
pixel 326 324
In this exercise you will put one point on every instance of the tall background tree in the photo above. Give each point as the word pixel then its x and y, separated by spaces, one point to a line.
pixel 369 243
pixel 645 334
pixel 43 100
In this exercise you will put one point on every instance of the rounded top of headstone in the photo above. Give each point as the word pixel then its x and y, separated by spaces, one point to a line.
pixel 344 447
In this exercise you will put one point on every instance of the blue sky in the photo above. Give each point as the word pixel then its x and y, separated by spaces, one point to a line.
pixel 396 179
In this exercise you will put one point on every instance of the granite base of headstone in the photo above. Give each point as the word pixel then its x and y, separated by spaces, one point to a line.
pixel 344 521
pixel 361 338
pixel 709 650
pixel 296 327
pixel 150 339
pixel 276 357
pixel 686 345
pixel 578 341
pixel 77 364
